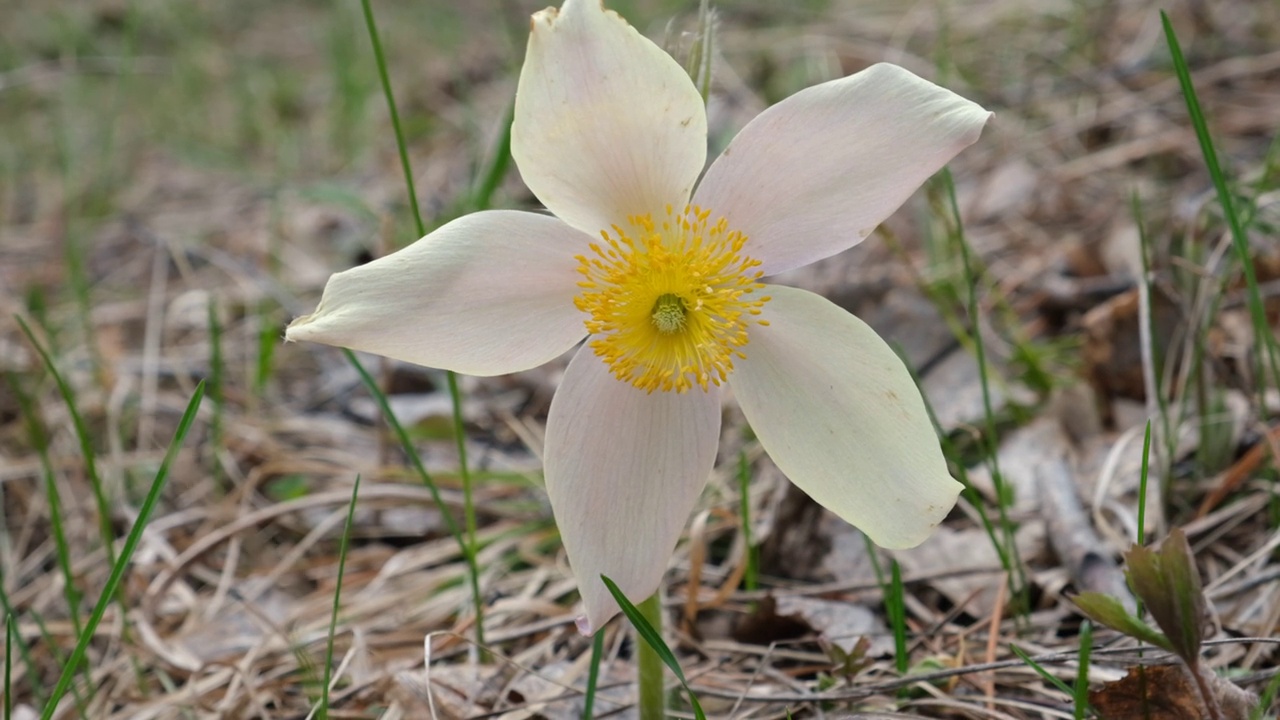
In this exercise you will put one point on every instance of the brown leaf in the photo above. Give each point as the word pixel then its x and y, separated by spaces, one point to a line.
pixel 1158 692
pixel 841 624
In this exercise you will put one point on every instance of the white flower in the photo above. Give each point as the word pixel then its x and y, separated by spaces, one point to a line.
pixel 664 283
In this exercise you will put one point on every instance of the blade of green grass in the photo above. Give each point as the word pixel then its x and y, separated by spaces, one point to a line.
pixel 86 443
pixel 1142 489
pixel 455 397
pixel 410 452
pixel 268 339
pixel 337 599
pixel 1263 336
pixel 33 673
pixel 126 553
pixel 499 163
pixel 1017 574
pixel 744 511
pixel 468 502
pixel 62 550
pixel 1142 501
pixel 215 390
pixel 381 61
pixel 1048 677
pixel 593 676
pixel 894 605
pixel 266 310
pixel 1081 692
pixel 9 631
pixel 1266 699
pixel 898 616
pixel 654 640
pixel 1157 356
pixel 89 455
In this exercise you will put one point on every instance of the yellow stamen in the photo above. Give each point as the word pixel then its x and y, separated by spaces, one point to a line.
pixel 669 304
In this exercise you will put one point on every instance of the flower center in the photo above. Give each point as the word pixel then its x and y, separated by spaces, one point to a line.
pixel 669 303
pixel 668 314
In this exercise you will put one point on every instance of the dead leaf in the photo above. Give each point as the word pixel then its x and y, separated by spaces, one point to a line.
pixel 1167 692
pixel 1158 692
pixel 841 624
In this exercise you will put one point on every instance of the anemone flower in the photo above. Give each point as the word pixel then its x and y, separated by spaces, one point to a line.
pixel 664 283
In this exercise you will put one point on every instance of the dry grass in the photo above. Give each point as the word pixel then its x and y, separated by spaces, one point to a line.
pixel 169 163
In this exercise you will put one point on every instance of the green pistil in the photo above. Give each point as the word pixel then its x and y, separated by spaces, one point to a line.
pixel 669 314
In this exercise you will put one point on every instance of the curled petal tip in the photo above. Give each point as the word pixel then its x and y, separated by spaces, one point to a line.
pixel 583 623
pixel 606 124
pixel 545 16
pixel 293 332
pixel 486 294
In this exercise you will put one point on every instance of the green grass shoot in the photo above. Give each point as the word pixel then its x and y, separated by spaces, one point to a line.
pixel 87 451
pixel 654 640
pixel 1018 586
pixel 344 543
pixel 593 676
pixel 1264 344
pixel 455 395
pixel 39 437
pixel 744 516
pixel 215 386
pixel 1045 674
pixel 24 651
pixel 1142 485
pixel 126 554
pixel 467 549
pixel 896 605
pixel 10 630
pixel 1080 694
pixel 1159 354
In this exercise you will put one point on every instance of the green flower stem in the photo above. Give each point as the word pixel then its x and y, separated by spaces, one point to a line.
pixel 653 696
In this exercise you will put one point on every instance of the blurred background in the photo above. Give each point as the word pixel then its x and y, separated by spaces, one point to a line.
pixel 178 179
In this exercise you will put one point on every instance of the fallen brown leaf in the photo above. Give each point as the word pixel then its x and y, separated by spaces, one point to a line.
pixel 1159 692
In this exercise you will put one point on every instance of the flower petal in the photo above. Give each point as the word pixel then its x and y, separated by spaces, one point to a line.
pixel 607 125
pixel 623 470
pixel 838 412
pixel 487 294
pixel 816 173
